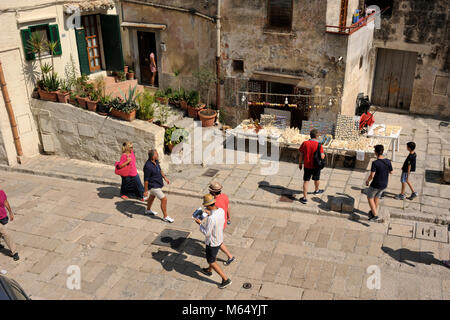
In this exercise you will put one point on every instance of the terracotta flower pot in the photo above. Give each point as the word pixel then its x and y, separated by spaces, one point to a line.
pixel 130 75
pixel 161 100
pixel 208 117
pixel 91 105
pixel 123 115
pixel 183 105
pixel 125 69
pixel 82 102
pixel 63 96
pixel 193 111
pixel 170 146
pixel 73 101
pixel 48 95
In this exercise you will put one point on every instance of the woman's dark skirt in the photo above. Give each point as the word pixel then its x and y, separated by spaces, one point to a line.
pixel 132 187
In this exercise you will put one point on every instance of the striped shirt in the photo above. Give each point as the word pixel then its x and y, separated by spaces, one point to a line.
pixel 212 228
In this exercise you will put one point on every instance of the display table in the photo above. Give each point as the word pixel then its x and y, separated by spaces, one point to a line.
pixel 388 132
pixel 239 131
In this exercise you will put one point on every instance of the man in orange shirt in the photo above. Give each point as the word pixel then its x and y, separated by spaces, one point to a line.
pixel 222 201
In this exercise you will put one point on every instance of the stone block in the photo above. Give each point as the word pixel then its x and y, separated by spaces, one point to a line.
pixel 47 143
pixel 335 204
pixel 86 130
pixel 348 205
pixel 447 169
pixel 66 126
pixel 45 123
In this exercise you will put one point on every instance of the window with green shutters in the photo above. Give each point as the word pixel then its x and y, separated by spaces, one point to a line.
pixel 49 32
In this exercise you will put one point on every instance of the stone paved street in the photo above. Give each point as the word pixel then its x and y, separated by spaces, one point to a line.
pixel 283 254
pixel 245 181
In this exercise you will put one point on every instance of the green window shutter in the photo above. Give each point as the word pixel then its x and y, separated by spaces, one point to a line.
pixel 54 37
pixel 82 51
pixel 26 35
pixel 112 42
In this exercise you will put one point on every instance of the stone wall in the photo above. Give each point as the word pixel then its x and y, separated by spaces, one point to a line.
pixel 359 67
pixel 422 26
pixel 80 134
pixel 190 40
pixel 306 53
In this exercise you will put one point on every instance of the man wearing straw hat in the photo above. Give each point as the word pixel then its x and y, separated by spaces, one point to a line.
pixel 222 201
pixel 212 228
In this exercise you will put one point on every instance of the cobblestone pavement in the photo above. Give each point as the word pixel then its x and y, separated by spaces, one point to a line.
pixel 283 254
pixel 245 181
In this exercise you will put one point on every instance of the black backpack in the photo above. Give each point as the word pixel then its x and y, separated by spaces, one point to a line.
pixel 318 161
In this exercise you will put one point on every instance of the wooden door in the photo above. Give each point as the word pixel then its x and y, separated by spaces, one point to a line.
pixel 394 78
pixel 92 43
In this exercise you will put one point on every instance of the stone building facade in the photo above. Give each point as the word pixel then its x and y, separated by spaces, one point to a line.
pixel 276 47
pixel 420 30
pixel 21 69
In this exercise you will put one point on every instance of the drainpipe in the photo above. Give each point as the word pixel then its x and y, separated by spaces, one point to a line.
pixel 218 54
pixel 10 111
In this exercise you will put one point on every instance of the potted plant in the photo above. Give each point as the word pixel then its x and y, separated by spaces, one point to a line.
pixel 126 108
pixel 64 93
pixel 92 101
pixel 80 89
pixel 50 84
pixel 174 136
pixel 103 105
pixel 160 96
pixel 147 105
pixel 73 99
pixel 183 99
pixel 207 116
pixel 120 76
pixel 130 75
pixel 125 69
pixel 193 104
pixel 205 78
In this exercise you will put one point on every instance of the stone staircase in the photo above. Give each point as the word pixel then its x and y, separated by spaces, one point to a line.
pixel 114 88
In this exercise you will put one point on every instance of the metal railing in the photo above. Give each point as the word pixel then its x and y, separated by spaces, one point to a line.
pixel 354 27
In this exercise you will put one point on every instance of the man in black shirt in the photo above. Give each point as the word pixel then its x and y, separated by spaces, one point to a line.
pixel 408 166
pixel 381 168
pixel 153 182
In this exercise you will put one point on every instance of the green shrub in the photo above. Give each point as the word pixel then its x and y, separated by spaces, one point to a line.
pixel 146 102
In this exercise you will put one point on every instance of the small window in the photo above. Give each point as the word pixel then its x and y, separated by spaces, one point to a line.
pixel 238 65
pixel 279 14
pixel 48 32
pixel 385 5
pixel 361 61
pixel 45 35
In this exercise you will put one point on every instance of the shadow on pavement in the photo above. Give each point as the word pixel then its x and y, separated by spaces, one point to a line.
pixel 401 255
pixel 167 260
pixel 130 207
pixel 108 192
pixel 276 189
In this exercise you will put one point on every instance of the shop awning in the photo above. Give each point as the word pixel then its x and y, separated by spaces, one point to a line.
pixel 88 5
pixel 280 78
pixel 143 25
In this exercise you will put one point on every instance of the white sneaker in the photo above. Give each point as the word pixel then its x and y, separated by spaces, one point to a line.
pixel 150 212
pixel 168 219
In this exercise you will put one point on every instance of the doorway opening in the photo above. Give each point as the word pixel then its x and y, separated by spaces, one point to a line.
pixel 146 46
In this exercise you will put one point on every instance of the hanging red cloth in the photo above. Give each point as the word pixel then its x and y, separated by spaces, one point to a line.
pixel 366 119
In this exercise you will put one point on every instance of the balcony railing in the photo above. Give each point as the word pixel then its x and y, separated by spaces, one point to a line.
pixel 353 28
